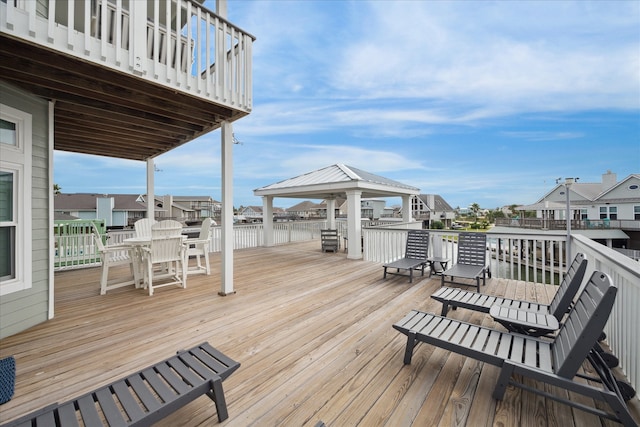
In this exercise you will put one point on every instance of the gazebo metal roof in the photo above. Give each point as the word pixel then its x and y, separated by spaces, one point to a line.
pixel 335 180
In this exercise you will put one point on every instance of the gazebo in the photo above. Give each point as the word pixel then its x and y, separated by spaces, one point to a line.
pixel 330 183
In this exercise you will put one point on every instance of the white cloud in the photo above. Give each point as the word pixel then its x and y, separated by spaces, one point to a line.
pixel 473 51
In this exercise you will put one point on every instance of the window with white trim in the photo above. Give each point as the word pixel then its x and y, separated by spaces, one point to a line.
pixel 608 212
pixel 15 200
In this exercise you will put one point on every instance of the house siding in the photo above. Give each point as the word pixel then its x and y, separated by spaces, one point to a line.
pixel 24 309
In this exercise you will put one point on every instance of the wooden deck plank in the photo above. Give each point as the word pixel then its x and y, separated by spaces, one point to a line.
pixel 312 331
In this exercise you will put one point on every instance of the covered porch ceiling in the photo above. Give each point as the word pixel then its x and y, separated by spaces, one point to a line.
pixel 106 113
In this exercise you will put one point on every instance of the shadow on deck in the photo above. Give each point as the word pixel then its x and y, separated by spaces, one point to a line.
pixel 312 331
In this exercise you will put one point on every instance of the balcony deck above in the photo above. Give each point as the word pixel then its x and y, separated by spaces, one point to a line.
pixel 312 330
pixel 125 83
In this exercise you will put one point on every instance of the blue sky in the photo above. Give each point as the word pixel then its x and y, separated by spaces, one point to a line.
pixel 478 101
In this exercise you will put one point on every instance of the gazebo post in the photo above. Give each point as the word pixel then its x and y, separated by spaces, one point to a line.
pixel 354 224
pixel 406 208
pixel 331 213
pixel 267 220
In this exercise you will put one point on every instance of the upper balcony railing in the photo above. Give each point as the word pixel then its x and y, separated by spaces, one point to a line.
pixel 176 43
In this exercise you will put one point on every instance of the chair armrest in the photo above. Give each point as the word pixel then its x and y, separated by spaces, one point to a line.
pixel 524 318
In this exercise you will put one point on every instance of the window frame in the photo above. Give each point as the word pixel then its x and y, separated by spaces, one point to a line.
pixel 17 160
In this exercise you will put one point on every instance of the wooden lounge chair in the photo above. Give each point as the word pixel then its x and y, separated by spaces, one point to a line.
pixel 472 260
pixel 554 362
pixel 330 240
pixel 144 397
pixel 415 255
pixel 517 315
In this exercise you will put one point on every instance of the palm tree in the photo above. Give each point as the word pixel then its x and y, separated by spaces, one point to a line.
pixel 56 189
pixel 475 208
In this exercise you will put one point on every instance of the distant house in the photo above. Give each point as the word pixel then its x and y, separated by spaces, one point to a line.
pixel 369 208
pixel 432 207
pixel 608 199
pixel 252 213
pixel 200 206
pixel 123 210
pixel 606 211
pixel 372 208
pixel 306 209
pixel 117 210
pixel 255 214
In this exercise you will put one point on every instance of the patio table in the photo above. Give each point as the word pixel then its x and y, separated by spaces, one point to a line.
pixel 432 261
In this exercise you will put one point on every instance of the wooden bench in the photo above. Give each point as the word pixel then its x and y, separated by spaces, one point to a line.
pixel 144 397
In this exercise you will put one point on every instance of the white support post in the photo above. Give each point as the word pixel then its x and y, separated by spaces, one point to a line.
pixel 221 8
pixel 331 214
pixel 354 224
pixel 151 168
pixel 227 209
pixel 406 209
pixel 267 220
pixel 138 20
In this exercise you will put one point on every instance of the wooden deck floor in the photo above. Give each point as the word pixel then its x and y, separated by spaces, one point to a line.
pixel 312 331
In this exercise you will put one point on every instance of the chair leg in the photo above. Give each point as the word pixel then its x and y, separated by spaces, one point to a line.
pixel 503 381
pixel 104 278
pixel 408 351
pixel 217 395
pixel 206 262
pixel 445 309
pixel 150 278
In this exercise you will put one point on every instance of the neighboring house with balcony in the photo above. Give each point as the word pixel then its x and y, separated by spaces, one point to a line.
pixel 432 207
pixel 123 210
pixel 607 211
pixel 122 79
pixel 202 206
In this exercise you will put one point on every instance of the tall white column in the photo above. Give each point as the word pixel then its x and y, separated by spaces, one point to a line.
pixel 227 209
pixel 151 203
pixel 354 224
pixel 331 214
pixel 267 220
pixel 406 209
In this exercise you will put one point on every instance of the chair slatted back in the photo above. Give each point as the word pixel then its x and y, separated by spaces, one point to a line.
pixel 569 287
pixel 205 229
pixel 166 249
pixel 584 325
pixel 472 249
pixel 167 227
pixel 417 244
pixel 142 227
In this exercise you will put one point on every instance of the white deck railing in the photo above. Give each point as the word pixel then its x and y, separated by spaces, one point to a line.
pixel 535 258
pixel 622 328
pixel 541 258
pixel 213 59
